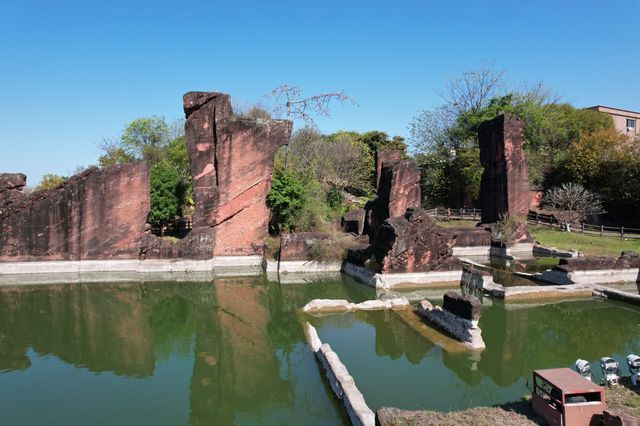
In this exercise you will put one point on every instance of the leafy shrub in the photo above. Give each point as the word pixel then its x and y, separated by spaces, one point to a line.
pixel 286 199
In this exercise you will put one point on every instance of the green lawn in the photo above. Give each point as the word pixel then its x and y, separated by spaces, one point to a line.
pixel 591 245
pixel 456 223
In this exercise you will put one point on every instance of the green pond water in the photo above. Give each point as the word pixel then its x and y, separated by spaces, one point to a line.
pixel 233 352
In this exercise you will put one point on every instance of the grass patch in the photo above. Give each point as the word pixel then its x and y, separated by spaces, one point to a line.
pixel 457 223
pixel 590 245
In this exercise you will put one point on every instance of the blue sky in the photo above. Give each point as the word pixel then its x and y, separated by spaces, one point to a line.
pixel 73 72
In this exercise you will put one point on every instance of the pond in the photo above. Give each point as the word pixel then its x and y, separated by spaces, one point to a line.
pixel 232 351
pixel 227 352
pixel 394 365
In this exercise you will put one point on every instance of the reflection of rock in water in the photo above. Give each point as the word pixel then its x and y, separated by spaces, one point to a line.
pixel 464 365
pixel 394 338
pixel 236 368
pixel 101 328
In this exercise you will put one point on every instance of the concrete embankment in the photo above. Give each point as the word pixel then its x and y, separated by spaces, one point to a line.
pixel 342 384
pixel 89 271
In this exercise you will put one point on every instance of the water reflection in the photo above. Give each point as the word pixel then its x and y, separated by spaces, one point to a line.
pixel 237 340
pixel 519 339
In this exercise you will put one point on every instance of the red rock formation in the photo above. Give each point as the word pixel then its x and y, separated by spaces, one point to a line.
pixel 97 214
pixel 472 237
pixel 296 246
pixel 385 156
pixel 101 214
pixel 505 181
pixel 353 221
pixel 398 189
pixel 414 243
pixel 231 163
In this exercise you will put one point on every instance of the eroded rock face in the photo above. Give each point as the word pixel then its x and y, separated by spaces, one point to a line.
pixel 231 163
pixel 398 188
pixel 296 246
pixel 97 214
pixel 101 214
pixel 388 156
pixel 353 221
pixel 504 187
pixel 12 181
pixel 414 243
pixel 472 237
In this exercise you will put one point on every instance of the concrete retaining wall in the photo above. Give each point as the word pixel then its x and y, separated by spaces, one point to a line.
pixel 516 251
pixel 304 266
pixel 598 276
pixel 471 251
pixel 373 279
pixel 341 305
pixel 74 271
pixel 342 384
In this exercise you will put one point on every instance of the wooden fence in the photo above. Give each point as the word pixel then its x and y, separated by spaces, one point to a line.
pixel 540 219
pixel 585 228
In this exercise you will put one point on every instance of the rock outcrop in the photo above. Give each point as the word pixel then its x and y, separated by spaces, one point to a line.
pixel 414 243
pixel 231 164
pixel 353 221
pixel 504 187
pixel 398 188
pixel 296 246
pixel 97 214
pixel 11 190
pixel 101 214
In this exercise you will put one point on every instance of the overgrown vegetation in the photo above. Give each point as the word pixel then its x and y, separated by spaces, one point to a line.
pixel 50 180
pixel 318 177
pixel 563 144
pixel 153 141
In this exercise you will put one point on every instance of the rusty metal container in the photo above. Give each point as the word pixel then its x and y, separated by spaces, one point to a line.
pixel 563 397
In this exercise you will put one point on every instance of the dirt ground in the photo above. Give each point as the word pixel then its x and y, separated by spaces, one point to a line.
pixel 622 399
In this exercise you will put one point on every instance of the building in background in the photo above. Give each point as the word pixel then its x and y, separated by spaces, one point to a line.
pixel 626 122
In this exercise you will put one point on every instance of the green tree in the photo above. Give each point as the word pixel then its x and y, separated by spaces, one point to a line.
pixel 167 194
pixel 286 199
pixel 144 138
pixel 377 141
pixel 50 180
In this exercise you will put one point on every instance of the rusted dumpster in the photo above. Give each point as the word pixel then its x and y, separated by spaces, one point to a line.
pixel 563 397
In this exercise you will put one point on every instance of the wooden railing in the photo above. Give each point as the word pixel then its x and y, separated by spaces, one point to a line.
pixel 585 228
pixel 442 213
pixel 537 218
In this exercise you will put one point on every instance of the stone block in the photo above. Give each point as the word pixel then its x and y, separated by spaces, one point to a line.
pixel 464 306
pixel 414 243
pixel 296 246
pixel 353 221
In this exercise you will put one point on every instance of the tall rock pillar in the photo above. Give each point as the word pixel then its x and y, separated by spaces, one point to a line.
pixel 505 181
pixel 231 164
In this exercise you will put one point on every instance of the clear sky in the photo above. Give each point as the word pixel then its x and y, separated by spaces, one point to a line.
pixel 73 72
